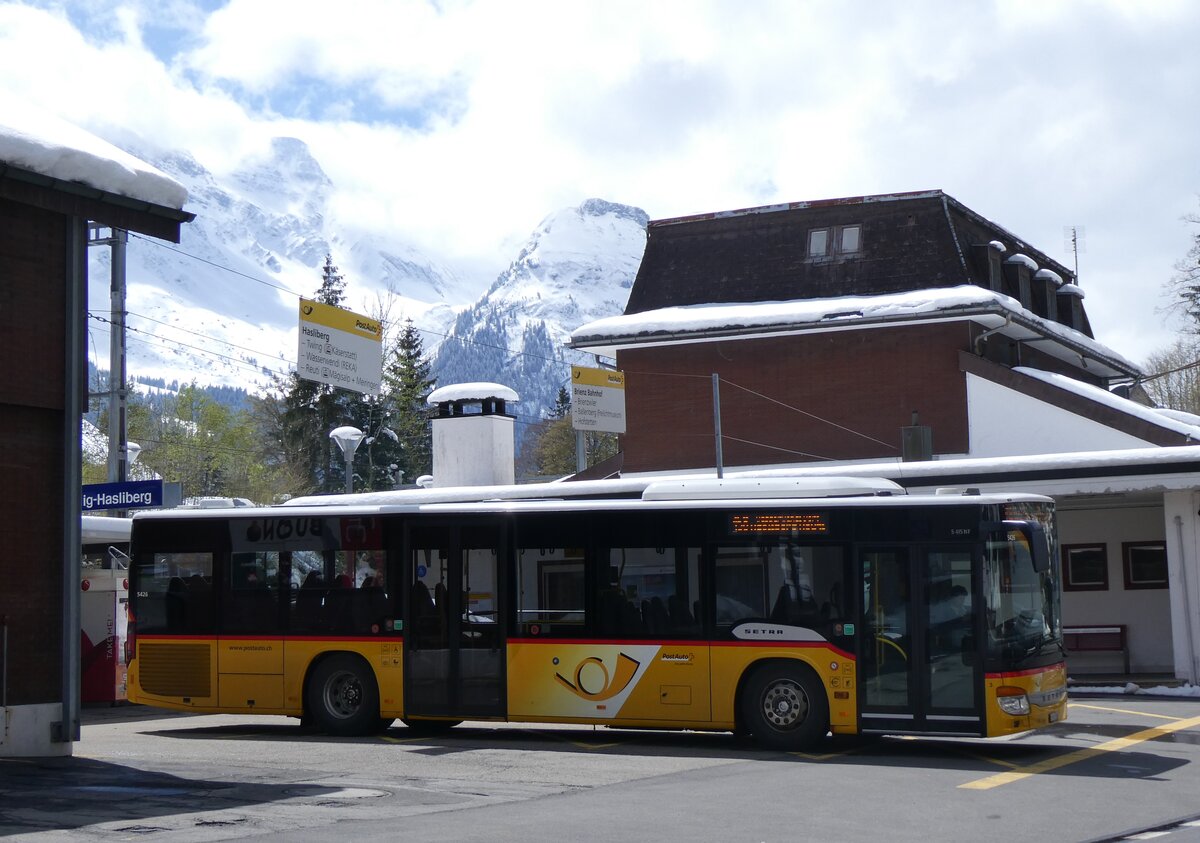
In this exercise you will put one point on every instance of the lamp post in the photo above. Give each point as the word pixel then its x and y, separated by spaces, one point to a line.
pixel 347 439
pixel 132 450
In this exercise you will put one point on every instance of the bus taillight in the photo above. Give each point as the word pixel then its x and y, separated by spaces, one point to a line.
pixel 130 634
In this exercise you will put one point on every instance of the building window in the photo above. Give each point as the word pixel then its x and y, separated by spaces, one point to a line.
pixel 832 242
pixel 1085 567
pixel 1145 564
pixel 851 239
pixel 818 242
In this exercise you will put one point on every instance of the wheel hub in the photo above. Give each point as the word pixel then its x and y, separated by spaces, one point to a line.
pixel 785 705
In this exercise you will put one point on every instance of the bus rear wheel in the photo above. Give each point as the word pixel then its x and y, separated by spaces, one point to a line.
pixel 343 698
pixel 785 707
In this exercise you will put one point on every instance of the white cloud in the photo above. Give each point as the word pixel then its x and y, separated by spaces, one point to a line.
pixel 459 125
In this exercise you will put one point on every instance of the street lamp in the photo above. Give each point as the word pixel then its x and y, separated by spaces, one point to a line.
pixel 132 450
pixel 347 439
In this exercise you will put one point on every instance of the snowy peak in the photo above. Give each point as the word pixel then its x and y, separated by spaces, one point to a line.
pixel 286 181
pixel 577 265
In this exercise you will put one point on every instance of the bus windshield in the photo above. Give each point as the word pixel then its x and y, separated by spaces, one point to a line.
pixel 1023 613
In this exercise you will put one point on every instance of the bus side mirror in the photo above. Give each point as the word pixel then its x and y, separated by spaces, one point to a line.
pixel 1038 546
pixel 1034 533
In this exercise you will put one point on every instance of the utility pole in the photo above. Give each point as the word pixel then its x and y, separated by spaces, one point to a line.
pixel 115 239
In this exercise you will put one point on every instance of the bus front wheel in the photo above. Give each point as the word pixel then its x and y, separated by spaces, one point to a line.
pixel 343 698
pixel 785 707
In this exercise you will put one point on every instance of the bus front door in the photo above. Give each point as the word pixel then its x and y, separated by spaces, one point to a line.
pixel 918 670
pixel 454 629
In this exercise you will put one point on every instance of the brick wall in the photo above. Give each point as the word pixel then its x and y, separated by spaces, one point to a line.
pixel 32 386
pixel 864 384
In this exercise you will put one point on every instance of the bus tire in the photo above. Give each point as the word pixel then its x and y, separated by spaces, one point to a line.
pixel 343 697
pixel 784 706
pixel 430 727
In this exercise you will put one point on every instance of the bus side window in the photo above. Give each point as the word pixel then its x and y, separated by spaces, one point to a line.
pixel 550 586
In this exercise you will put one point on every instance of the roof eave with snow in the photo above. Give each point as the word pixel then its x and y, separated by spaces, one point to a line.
pixel 703 323
pixel 162 221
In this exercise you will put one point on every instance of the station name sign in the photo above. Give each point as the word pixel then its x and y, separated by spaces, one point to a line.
pixel 597 400
pixel 340 348
pixel 133 494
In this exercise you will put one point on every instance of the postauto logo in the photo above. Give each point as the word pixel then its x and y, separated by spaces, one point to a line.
pixel 593 682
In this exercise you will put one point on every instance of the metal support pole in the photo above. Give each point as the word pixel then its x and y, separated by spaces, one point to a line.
pixel 117 430
pixel 716 390
pixel 75 368
pixel 580 452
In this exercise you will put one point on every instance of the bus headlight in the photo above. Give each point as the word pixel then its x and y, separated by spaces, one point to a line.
pixel 1012 700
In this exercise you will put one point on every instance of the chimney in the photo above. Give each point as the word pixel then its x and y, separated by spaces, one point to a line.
pixel 473 443
pixel 916 441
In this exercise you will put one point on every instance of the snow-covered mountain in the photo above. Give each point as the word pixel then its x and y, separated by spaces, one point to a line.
pixel 221 307
pixel 578 265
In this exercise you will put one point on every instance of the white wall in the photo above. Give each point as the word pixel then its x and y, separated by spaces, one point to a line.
pixel 473 450
pixel 1145 612
pixel 1005 422
pixel 25 731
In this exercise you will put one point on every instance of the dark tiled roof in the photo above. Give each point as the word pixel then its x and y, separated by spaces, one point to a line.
pixel 910 241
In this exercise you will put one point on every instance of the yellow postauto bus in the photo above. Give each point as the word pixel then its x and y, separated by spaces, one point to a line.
pixel 782 612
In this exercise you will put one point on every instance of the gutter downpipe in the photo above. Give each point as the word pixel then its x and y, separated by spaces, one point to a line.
pixel 1187 603
pixel 979 339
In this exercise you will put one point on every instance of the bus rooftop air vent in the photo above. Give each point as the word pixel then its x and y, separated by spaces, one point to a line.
pixel 709 488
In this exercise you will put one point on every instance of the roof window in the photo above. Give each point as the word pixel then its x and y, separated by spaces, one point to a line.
pixel 835 241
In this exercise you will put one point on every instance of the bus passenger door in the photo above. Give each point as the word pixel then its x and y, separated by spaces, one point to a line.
pixel 918 671
pixel 454 626
pixel 885 643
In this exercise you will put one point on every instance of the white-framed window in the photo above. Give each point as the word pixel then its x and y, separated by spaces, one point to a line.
pixel 850 239
pixel 834 241
pixel 818 242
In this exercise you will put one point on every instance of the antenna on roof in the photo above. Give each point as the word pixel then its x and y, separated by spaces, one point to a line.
pixel 1075 242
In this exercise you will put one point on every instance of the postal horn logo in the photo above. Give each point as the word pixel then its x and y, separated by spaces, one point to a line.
pixel 593 682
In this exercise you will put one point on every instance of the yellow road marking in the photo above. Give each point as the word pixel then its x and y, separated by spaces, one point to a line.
pixel 1080 755
pixel 1124 711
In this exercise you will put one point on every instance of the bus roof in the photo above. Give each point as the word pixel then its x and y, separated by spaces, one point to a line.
pixel 100 528
pixel 707 493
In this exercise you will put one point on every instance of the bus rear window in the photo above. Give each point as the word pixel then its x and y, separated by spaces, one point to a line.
pixel 174 593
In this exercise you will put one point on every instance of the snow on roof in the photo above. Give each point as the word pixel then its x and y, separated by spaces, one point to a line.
pixel 673 323
pixel 1179 416
pixel 1023 259
pixel 1103 396
pixel 472 392
pixel 1049 274
pixel 32 139
pixel 998 246
pixel 1071 290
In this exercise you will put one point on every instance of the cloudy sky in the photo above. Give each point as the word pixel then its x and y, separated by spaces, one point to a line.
pixel 461 124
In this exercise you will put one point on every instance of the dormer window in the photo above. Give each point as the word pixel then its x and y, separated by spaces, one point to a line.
pixel 831 242
pixel 851 239
pixel 818 243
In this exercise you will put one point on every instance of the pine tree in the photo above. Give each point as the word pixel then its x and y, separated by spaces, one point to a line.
pixel 408 382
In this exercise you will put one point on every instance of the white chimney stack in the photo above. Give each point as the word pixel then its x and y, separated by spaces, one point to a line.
pixel 473 442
